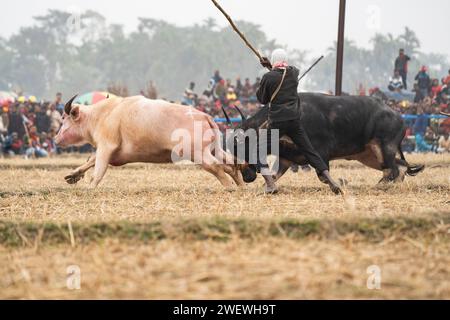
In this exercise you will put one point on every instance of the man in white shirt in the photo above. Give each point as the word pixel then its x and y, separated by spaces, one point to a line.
pixel 396 82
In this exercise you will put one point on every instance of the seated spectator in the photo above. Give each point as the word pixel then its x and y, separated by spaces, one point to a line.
pixel 431 138
pixel 408 144
pixel 33 147
pixel 445 125
pixel 422 145
pixel 444 143
pixel 396 82
pixel 12 144
pixel 208 93
pixel 188 98
pixel 48 144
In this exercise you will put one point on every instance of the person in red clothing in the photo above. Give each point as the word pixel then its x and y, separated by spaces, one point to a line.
pixel 436 88
pixel 16 143
pixel 447 79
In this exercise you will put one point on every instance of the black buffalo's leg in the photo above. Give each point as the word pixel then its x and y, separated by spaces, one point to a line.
pixel 325 159
pixel 283 167
pixel 266 172
pixel 390 169
pixel 270 186
pixel 301 139
pixel 389 133
pixel 402 168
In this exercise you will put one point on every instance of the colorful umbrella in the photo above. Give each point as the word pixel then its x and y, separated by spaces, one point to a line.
pixel 7 96
pixel 92 97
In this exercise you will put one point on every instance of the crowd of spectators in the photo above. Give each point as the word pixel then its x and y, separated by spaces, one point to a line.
pixel 222 92
pixel 431 96
pixel 28 127
pixel 425 131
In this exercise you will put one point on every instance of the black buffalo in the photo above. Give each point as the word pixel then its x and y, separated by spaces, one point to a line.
pixel 345 127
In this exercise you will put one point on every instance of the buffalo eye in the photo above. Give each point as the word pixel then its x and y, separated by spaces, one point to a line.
pixel 75 113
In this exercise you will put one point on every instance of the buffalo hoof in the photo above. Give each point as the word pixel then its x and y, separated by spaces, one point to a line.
pixel 270 190
pixel 74 177
pixel 413 170
pixel 386 180
pixel 336 189
pixel 230 189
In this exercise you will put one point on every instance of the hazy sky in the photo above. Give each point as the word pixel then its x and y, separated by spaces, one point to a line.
pixel 304 24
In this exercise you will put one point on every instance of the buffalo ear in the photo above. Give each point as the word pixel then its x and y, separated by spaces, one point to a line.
pixel 75 113
pixel 68 105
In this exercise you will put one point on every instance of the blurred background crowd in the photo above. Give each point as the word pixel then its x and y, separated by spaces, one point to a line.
pixel 28 126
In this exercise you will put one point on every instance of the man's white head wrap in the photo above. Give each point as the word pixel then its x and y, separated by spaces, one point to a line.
pixel 279 56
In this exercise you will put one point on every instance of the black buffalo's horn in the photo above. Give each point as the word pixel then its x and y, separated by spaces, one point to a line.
pixel 226 116
pixel 240 112
pixel 68 105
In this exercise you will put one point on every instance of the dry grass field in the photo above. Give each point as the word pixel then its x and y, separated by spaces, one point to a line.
pixel 171 231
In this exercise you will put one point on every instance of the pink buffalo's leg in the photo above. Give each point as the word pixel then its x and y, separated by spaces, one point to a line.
pixel 77 174
pixel 212 165
pixel 229 167
pixel 103 156
pixel 234 173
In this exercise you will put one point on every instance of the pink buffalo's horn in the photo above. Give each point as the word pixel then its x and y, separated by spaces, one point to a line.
pixel 68 105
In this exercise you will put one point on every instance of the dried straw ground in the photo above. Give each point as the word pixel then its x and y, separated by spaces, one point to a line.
pixel 171 231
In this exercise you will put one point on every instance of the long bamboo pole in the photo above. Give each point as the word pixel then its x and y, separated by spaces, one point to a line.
pixel 237 30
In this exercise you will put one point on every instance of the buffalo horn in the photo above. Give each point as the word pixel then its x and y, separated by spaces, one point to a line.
pixel 68 105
